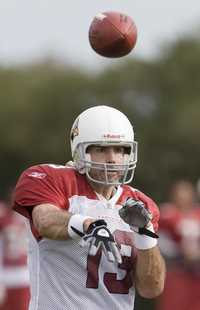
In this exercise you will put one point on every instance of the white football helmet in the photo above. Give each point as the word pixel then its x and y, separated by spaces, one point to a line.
pixel 103 126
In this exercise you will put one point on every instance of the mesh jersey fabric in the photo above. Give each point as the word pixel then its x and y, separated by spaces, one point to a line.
pixel 62 274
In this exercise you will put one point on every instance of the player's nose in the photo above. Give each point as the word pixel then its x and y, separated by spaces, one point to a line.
pixel 110 155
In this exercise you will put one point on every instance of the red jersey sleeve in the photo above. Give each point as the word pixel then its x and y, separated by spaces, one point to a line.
pixel 38 185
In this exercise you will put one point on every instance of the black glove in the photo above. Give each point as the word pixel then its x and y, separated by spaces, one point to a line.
pixel 134 213
pixel 99 236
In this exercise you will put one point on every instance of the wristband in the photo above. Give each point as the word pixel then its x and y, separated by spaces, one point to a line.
pixel 143 242
pixel 76 221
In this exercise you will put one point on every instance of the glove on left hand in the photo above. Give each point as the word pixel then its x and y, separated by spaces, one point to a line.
pixel 134 213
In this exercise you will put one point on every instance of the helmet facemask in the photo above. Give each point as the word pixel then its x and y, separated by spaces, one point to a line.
pixel 85 165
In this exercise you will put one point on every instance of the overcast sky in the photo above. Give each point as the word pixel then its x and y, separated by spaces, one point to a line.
pixel 31 29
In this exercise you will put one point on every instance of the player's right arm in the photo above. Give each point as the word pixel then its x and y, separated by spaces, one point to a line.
pixel 56 224
pixel 52 222
pixel 42 197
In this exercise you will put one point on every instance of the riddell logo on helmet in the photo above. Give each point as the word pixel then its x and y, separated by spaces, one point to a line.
pixel 113 136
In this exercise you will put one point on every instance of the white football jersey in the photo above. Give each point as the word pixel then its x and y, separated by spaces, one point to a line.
pixel 62 274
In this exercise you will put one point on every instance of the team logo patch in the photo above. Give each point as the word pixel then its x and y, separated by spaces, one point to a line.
pixel 75 130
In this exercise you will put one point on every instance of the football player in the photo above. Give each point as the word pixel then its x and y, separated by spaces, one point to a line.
pixel 92 237
pixel 180 245
pixel 14 275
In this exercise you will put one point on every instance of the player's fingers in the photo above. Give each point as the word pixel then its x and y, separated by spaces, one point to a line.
pixel 116 252
pixel 92 250
pixel 93 247
pixel 108 253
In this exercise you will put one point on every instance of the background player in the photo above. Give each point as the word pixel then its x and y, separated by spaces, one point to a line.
pixel 180 244
pixel 14 275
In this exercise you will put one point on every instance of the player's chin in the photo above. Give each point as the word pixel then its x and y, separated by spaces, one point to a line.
pixel 110 177
pixel 112 173
pixel 113 176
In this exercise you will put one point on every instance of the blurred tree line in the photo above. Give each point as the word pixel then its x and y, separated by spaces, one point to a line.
pixel 161 97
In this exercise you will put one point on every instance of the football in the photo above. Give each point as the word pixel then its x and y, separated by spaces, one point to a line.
pixel 112 34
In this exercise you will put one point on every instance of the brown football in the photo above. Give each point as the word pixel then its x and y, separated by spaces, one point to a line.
pixel 112 34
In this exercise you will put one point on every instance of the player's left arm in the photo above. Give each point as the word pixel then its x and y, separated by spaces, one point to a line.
pixel 142 214
pixel 150 265
pixel 150 272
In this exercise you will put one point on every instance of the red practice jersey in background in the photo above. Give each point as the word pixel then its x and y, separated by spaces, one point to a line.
pixel 179 242
pixel 13 260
